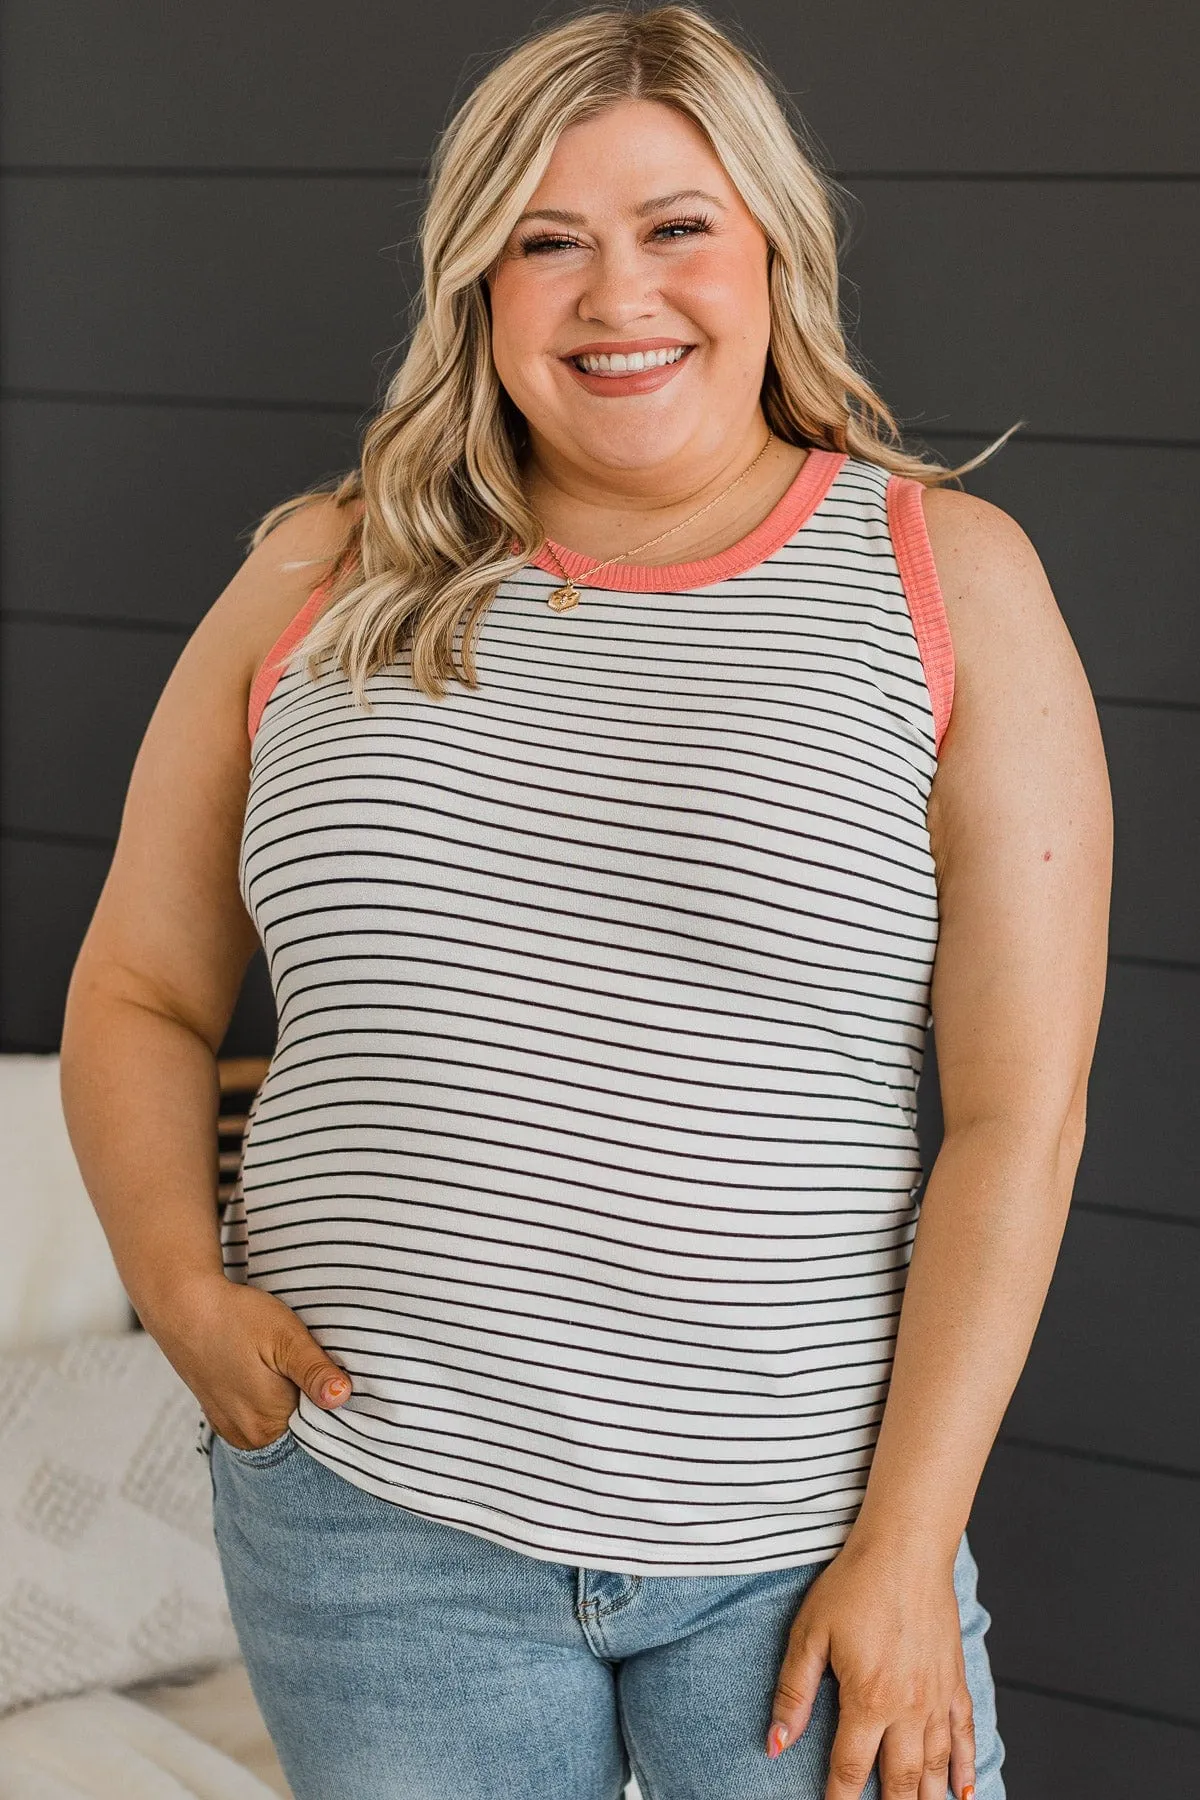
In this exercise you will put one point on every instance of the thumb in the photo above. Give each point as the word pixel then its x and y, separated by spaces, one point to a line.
pixel 299 1356
pixel 796 1689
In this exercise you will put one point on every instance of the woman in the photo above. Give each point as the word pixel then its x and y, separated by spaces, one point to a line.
pixel 591 1387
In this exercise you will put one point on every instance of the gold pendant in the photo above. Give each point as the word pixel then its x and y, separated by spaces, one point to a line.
pixel 564 597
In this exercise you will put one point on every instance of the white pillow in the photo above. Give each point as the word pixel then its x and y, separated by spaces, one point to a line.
pixel 57 1275
pixel 108 1569
pixel 101 1746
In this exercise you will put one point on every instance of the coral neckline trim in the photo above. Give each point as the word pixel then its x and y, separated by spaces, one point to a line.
pixel 795 505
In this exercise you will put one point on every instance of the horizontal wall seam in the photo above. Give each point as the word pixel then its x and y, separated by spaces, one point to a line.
pixel 251 403
pixel 208 402
pixel 418 169
pixel 1089 440
pixel 409 170
pixel 1107 1457
pixel 1129 960
pixel 69 840
pixel 27 615
pixel 1146 1214
pixel 1111 1706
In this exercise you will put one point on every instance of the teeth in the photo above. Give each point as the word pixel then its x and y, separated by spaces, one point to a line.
pixel 617 364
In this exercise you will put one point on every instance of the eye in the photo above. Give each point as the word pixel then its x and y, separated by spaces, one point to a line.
pixel 693 223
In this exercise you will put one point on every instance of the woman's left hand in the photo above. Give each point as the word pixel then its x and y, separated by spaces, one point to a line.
pixel 890 1630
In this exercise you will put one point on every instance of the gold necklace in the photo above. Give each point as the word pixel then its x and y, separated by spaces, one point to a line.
pixel 568 596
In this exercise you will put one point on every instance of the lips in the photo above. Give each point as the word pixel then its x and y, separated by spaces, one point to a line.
pixel 618 384
pixel 651 366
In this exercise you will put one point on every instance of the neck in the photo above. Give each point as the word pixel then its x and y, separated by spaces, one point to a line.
pixel 606 512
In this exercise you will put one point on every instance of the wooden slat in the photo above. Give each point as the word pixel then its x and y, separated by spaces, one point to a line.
pixel 1141 1151
pixel 1058 1747
pixel 239 1077
pixel 48 893
pixel 270 290
pixel 1113 1367
pixel 196 478
pixel 1023 86
pixel 1092 1576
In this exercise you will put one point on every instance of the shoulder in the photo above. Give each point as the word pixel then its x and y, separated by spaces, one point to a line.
pixel 281 573
pixel 1006 629
pixel 1023 713
pixel 988 570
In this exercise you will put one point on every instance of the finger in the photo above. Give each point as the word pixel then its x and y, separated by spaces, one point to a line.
pixel 936 1779
pixel 855 1746
pixel 962 1744
pixel 298 1355
pixel 795 1692
pixel 902 1761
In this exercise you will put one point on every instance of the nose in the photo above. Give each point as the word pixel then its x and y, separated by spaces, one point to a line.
pixel 619 289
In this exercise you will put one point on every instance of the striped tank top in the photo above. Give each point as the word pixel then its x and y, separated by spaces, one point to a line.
pixel 588 1146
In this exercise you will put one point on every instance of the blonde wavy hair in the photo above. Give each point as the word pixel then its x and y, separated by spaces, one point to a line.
pixel 436 503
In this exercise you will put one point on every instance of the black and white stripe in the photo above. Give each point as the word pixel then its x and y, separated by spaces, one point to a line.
pixel 589 1142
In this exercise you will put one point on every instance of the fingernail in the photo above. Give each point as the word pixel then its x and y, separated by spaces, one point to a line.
pixel 333 1390
pixel 968 1793
pixel 778 1738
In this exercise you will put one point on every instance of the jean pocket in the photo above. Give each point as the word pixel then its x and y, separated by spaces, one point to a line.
pixel 273 1452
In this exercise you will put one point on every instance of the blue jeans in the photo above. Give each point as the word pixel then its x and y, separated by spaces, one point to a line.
pixel 395 1658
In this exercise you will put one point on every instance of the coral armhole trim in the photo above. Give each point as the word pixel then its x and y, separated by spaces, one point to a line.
pixel 922 589
pixel 271 667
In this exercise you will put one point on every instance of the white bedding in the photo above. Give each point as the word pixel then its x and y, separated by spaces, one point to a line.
pixel 220 1709
pixel 57 1276
pixel 108 1746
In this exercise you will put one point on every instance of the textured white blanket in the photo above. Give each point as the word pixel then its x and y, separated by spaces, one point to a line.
pixel 102 1746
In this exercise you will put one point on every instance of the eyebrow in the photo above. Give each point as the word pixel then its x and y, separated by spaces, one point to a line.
pixel 647 206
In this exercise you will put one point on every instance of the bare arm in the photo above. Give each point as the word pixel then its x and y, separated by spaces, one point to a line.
pixel 1020 823
pixel 160 967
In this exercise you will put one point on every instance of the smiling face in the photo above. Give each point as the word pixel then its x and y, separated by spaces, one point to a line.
pixel 651 251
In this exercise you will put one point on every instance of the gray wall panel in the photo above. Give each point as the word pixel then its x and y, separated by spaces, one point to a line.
pixel 1111 527
pixel 985 302
pixel 48 893
pixel 1064 1750
pixel 67 756
pixel 1092 1576
pixel 161 500
pixel 239 290
pixel 1113 1367
pixel 1142 1150
pixel 1156 862
pixel 301 85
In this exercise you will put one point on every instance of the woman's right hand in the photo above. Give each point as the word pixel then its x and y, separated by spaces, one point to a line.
pixel 245 1355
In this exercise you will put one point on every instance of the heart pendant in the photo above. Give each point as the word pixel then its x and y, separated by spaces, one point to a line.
pixel 563 597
